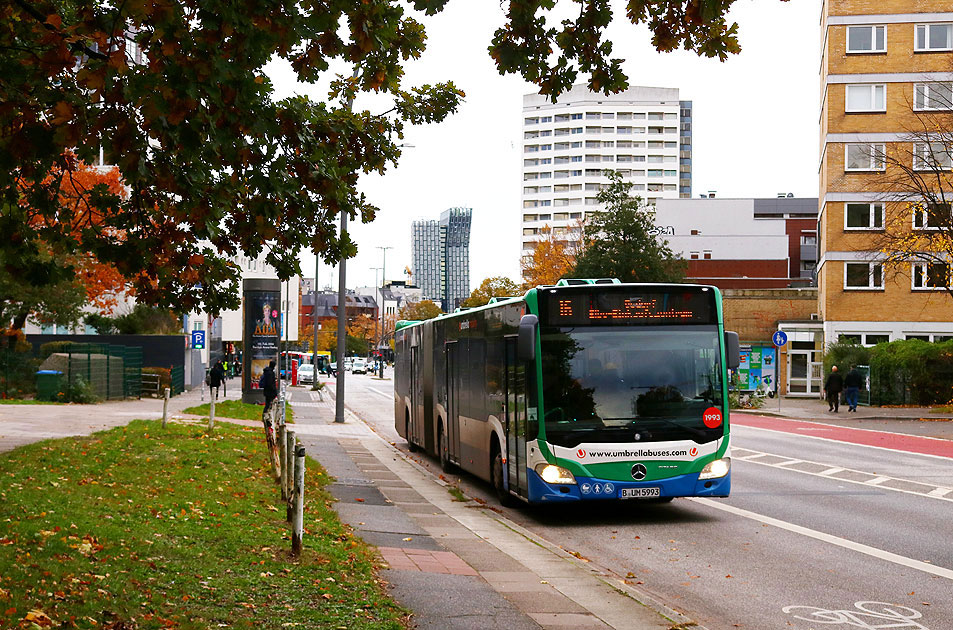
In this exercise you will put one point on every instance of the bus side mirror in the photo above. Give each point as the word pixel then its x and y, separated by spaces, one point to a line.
pixel 732 350
pixel 526 343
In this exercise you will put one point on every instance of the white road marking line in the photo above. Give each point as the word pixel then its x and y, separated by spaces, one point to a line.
pixel 789 462
pixel 750 457
pixel 384 394
pixel 880 554
pixel 843 442
pixel 935 493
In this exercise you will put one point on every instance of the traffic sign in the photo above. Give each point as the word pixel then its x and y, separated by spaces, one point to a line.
pixel 780 338
pixel 198 339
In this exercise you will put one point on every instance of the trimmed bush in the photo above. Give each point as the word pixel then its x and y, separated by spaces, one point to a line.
pixel 907 372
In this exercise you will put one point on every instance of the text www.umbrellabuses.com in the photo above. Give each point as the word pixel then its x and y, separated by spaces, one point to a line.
pixel 638 453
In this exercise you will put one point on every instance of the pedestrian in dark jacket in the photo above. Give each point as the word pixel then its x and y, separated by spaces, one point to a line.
pixel 833 386
pixel 852 384
pixel 217 378
pixel 268 384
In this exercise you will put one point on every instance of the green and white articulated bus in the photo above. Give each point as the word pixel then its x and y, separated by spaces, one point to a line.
pixel 587 390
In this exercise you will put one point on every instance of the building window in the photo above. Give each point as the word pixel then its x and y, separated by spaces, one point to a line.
pixel 546 119
pixel 808 239
pixel 863 216
pixel 693 255
pixel 930 276
pixel 864 157
pixel 863 276
pixel 931 216
pixel 929 156
pixel 706 254
pixel 866 39
pixel 872 339
pixel 936 96
pixel 530 121
pixel 866 98
pixel 932 37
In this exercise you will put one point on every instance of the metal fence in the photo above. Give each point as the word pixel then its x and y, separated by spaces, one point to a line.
pixel 113 372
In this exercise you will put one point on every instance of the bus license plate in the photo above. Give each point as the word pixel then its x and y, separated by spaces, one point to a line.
pixel 639 493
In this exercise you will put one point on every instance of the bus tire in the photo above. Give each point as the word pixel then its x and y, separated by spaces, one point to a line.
pixel 443 448
pixel 413 448
pixel 496 475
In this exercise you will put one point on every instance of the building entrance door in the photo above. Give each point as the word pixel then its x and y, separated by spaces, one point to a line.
pixel 804 378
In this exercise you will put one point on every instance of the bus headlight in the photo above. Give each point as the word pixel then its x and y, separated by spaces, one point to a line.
pixel 716 469
pixel 554 474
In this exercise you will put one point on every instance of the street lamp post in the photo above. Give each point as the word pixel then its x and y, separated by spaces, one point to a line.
pixel 380 310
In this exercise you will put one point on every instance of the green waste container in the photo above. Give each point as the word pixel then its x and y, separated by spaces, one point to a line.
pixel 49 383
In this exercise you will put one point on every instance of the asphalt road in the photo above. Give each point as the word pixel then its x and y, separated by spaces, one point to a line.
pixel 815 531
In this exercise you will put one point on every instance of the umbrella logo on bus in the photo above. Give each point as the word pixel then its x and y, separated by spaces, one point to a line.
pixel 581 453
pixel 639 471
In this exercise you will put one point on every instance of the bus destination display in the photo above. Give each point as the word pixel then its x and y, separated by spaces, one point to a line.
pixel 626 308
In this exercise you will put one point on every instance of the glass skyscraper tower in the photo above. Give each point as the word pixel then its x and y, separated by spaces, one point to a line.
pixel 441 257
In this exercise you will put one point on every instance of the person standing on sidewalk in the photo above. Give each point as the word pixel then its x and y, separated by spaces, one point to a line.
pixel 215 378
pixel 852 383
pixel 833 386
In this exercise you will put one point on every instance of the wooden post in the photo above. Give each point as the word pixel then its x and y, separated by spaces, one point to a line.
pixel 297 523
pixel 283 458
pixel 289 463
pixel 211 413
pixel 165 408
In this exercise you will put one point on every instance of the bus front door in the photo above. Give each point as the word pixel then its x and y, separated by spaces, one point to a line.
pixel 416 383
pixel 515 419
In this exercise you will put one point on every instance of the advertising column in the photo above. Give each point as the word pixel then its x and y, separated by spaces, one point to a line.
pixel 261 307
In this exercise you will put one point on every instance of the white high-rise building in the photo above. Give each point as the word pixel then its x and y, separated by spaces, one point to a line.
pixel 645 133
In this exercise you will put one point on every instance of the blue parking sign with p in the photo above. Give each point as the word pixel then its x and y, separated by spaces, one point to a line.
pixel 780 338
pixel 198 339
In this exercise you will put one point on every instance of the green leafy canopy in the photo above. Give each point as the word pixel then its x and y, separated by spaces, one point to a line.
pixel 174 93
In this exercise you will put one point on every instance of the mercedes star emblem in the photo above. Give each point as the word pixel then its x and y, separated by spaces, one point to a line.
pixel 639 471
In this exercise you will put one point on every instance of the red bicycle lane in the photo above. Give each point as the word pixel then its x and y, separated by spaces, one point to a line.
pixel 867 437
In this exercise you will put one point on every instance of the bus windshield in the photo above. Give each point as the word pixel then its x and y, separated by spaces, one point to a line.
pixel 612 384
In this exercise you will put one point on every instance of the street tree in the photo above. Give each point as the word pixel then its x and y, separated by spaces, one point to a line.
pixel 497 286
pixel 912 218
pixel 621 241
pixel 554 256
pixel 176 96
pixel 416 311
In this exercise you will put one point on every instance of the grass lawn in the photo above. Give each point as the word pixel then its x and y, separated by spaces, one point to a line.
pixel 237 409
pixel 144 528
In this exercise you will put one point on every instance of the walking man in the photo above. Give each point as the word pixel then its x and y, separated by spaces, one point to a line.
pixel 852 383
pixel 216 378
pixel 833 386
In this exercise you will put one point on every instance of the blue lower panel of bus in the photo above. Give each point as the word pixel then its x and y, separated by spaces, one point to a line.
pixel 589 488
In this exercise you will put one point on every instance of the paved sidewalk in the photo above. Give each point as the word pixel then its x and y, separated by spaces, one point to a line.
pixel 460 565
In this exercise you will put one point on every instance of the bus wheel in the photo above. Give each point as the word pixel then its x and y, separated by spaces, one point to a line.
pixel 444 446
pixel 502 495
pixel 413 448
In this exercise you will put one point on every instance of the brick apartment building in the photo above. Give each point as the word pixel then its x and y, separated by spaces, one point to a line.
pixel 883 65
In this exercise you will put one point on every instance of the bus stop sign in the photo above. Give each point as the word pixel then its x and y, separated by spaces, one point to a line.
pixel 780 338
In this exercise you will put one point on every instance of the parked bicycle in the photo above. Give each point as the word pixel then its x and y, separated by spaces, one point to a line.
pixel 269 417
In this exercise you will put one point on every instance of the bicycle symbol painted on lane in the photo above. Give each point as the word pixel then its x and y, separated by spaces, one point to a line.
pixel 867 616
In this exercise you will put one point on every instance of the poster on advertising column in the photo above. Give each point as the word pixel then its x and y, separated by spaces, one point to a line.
pixel 262 301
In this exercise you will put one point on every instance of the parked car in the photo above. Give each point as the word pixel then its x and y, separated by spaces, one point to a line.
pixel 306 374
pixel 359 366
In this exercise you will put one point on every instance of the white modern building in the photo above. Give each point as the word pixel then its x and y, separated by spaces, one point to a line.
pixel 645 133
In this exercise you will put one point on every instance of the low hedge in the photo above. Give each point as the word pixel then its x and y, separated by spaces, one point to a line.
pixel 907 372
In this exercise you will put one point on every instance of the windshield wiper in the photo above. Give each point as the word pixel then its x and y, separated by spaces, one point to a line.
pixel 692 430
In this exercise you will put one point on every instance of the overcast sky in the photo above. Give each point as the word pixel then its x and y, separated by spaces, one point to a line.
pixel 755 129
